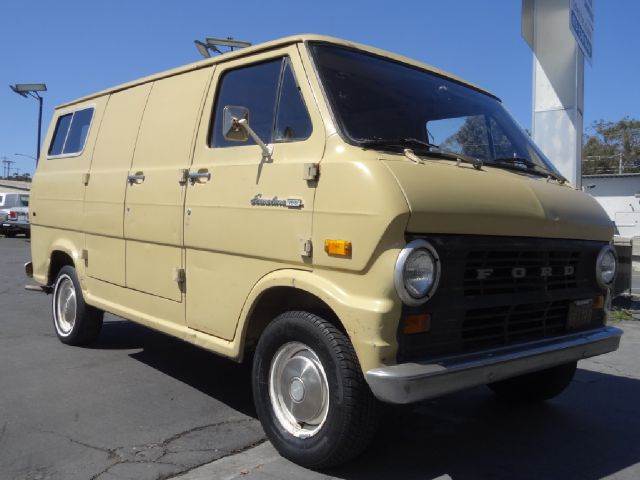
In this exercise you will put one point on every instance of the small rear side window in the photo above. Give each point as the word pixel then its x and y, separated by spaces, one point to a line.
pixel 71 132
pixel 60 134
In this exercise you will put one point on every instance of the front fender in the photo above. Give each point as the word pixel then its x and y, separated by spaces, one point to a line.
pixel 370 320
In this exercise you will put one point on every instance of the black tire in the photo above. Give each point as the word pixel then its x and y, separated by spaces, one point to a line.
pixel 352 415
pixel 536 386
pixel 87 320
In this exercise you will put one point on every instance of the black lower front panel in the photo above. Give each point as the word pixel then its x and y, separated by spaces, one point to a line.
pixel 497 291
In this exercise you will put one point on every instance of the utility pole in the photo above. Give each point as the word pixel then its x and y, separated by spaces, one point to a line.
pixel 6 166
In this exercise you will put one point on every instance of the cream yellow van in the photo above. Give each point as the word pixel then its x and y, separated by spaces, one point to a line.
pixel 364 227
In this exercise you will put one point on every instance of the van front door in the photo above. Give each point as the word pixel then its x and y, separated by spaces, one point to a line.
pixel 247 214
pixel 154 199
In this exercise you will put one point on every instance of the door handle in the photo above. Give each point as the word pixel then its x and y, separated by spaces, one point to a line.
pixel 138 178
pixel 201 176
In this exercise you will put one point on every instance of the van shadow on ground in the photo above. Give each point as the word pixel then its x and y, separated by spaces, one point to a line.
pixel 589 432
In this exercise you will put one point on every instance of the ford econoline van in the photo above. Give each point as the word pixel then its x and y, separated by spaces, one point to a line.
pixel 365 228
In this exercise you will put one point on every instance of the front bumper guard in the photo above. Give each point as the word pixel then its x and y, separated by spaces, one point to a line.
pixel 415 381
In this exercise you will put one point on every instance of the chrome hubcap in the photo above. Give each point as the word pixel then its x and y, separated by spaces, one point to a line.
pixel 64 305
pixel 298 389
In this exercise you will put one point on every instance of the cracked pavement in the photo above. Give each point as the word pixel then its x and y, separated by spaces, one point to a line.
pixel 141 405
pixel 136 405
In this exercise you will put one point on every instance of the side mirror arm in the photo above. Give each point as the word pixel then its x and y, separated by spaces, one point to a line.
pixel 266 150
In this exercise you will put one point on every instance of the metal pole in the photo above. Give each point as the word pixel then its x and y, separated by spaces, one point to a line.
pixel 620 163
pixel 39 128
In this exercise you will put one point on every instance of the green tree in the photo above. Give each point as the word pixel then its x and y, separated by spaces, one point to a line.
pixel 610 144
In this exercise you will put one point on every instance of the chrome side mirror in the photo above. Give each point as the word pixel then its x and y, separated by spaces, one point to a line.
pixel 235 127
pixel 231 128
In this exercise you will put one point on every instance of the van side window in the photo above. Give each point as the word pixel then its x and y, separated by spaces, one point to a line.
pixel 292 120
pixel 71 132
pixel 60 134
pixel 254 87
pixel 277 112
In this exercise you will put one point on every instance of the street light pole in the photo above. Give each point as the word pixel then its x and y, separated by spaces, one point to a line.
pixel 39 127
pixel 31 90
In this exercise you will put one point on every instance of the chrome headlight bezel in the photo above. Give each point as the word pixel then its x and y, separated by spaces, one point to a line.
pixel 604 251
pixel 399 278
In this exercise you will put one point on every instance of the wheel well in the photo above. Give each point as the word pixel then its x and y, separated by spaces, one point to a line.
pixel 278 300
pixel 58 260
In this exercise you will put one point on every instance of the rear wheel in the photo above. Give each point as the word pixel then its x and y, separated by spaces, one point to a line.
pixel 536 386
pixel 75 322
pixel 309 391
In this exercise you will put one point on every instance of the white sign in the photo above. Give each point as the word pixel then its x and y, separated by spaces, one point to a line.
pixel 581 22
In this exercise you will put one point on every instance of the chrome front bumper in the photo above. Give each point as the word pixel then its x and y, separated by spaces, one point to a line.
pixel 412 382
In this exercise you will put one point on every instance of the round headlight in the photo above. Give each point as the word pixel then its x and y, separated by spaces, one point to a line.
pixel 417 272
pixel 606 266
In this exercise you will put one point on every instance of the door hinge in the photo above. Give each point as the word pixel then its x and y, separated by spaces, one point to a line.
pixel 84 255
pixel 311 171
pixel 85 178
pixel 180 277
pixel 306 247
pixel 184 176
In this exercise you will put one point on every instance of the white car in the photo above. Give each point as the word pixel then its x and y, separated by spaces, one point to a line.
pixel 8 200
pixel 16 222
pixel 19 203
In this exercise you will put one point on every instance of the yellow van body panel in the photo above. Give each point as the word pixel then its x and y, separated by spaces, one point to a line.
pixel 58 191
pixel 446 198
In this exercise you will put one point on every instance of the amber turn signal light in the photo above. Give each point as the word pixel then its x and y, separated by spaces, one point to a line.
pixel 598 302
pixel 338 248
pixel 417 323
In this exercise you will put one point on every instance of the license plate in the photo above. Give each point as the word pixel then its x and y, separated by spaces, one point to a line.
pixel 579 314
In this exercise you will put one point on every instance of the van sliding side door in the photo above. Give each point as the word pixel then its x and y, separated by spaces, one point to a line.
pixel 154 203
pixel 104 194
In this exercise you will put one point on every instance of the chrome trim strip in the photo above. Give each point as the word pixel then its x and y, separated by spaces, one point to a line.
pixel 415 381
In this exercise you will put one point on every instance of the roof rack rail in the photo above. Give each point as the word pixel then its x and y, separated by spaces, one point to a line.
pixel 211 44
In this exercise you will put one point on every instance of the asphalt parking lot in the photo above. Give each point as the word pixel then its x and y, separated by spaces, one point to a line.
pixel 141 405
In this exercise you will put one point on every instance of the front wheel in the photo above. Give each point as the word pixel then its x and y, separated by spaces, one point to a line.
pixel 309 392
pixel 536 386
pixel 75 322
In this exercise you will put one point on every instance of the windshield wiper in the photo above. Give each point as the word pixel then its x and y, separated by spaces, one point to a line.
pixel 407 143
pixel 529 166
pixel 400 142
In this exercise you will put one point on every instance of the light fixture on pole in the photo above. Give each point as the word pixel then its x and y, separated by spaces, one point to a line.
pixel 31 90
pixel 213 45
pixel 25 155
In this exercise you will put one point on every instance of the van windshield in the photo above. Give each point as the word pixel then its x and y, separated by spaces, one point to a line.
pixel 388 104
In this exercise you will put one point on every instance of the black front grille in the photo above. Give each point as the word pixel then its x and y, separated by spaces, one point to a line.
pixel 495 326
pixel 497 291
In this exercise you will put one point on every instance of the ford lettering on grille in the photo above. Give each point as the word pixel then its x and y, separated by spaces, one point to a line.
pixel 522 272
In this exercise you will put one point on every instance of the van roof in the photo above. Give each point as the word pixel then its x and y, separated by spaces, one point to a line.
pixel 271 45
